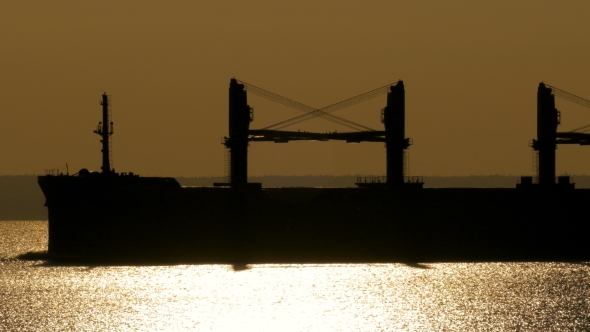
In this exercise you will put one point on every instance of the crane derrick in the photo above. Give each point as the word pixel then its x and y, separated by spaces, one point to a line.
pixel 548 119
pixel 393 117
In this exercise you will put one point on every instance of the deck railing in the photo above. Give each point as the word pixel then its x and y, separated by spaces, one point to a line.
pixel 383 179
pixel 52 171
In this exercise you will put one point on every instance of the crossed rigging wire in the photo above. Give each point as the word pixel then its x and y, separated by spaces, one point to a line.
pixel 574 99
pixel 311 112
pixel 582 129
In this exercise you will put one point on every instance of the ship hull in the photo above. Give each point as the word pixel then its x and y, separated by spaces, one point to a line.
pixel 156 220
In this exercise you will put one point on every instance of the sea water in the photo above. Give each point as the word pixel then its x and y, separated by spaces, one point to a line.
pixel 43 296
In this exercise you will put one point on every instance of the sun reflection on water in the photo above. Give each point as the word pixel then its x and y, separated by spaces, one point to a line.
pixel 36 296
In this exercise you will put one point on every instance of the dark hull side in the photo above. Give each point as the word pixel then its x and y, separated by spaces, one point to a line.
pixel 155 220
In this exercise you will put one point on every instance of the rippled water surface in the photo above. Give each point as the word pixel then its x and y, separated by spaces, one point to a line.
pixel 37 295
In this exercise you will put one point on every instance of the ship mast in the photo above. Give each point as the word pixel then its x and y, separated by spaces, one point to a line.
pixel 105 130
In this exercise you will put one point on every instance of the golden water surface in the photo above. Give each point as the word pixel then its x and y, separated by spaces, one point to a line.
pixel 38 295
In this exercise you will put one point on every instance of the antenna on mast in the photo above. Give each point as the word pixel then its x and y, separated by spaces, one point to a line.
pixel 105 130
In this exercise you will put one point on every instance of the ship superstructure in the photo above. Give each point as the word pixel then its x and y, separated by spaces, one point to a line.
pixel 122 216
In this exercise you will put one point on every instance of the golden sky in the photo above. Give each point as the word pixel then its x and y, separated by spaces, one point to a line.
pixel 470 68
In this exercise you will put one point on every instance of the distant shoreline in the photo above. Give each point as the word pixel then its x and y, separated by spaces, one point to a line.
pixel 468 181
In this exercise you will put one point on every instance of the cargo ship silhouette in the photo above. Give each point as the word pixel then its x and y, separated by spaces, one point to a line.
pixel 122 216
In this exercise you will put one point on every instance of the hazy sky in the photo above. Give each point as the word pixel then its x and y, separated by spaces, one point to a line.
pixel 470 68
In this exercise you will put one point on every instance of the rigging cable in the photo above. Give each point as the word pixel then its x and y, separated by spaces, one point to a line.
pixel 334 107
pixel 304 108
pixel 574 99
pixel 311 112
pixel 569 97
